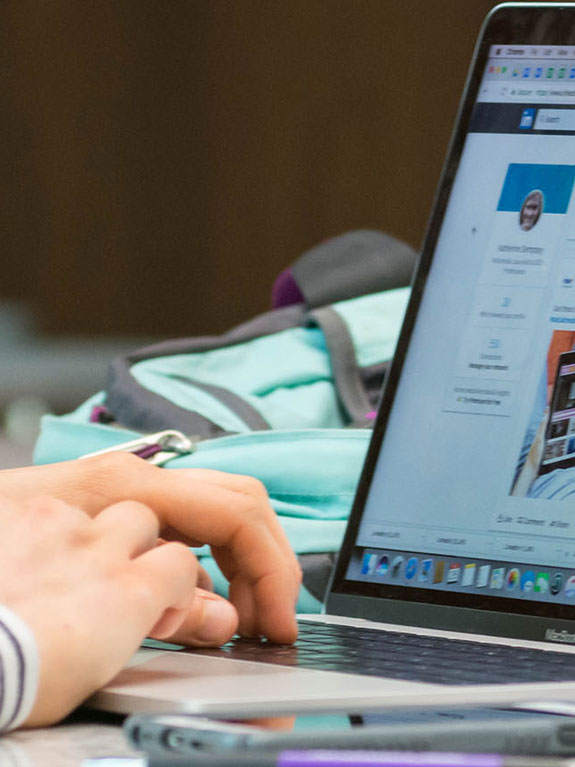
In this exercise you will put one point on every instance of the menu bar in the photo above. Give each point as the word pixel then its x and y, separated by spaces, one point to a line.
pixel 532 51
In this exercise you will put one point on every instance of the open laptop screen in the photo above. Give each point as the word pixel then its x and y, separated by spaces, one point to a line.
pixel 468 497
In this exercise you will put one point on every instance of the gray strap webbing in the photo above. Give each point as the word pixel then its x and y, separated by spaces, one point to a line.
pixel 239 406
pixel 263 325
pixel 140 409
pixel 344 365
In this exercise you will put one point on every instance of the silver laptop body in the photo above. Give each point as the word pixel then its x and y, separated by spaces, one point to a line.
pixel 464 521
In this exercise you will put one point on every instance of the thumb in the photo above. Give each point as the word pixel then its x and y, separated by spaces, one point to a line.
pixel 210 621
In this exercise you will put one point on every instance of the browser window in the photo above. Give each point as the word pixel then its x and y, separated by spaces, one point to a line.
pixel 475 473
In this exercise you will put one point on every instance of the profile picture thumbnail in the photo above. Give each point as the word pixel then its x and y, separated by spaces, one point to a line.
pixel 531 210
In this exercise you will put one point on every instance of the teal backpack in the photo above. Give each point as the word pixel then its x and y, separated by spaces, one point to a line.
pixel 287 397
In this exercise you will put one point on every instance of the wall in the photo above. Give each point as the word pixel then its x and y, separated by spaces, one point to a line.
pixel 163 160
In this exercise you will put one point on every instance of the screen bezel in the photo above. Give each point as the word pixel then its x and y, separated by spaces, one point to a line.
pixel 507 24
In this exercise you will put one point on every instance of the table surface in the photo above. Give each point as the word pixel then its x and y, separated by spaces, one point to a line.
pixel 65 745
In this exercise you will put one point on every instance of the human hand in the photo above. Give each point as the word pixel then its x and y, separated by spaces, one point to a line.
pixel 230 513
pixel 90 590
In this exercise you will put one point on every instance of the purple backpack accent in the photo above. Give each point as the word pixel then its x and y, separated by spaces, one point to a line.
pixel 285 290
pixel 100 414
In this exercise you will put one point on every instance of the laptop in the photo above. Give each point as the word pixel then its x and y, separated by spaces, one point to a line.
pixel 456 579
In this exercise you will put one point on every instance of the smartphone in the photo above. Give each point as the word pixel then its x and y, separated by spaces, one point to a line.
pixel 559 446
pixel 462 730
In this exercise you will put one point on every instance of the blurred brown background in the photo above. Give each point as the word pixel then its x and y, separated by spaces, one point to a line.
pixel 162 160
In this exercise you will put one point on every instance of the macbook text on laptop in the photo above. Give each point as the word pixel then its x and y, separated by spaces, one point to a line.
pixel 456 579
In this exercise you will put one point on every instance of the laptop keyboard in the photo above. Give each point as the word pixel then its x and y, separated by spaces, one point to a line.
pixel 405 656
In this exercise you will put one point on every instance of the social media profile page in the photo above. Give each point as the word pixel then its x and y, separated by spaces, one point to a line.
pixel 476 461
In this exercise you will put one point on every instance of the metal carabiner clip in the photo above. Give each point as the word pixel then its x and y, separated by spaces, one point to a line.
pixel 158 448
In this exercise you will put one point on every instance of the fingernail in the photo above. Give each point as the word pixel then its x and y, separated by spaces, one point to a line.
pixel 219 620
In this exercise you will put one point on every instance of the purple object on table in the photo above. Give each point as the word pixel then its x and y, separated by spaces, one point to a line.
pixel 336 758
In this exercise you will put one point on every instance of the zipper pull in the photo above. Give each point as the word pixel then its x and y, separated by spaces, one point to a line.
pixel 158 448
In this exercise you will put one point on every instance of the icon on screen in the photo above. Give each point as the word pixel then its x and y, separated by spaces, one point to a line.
pixel 542 583
pixel 556 584
pixel 453 572
pixel 425 572
pixel 411 568
pixel 382 565
pixel 570 587
pixel 527 119
pixel 369 563
pixel 497 578
pixel 528 581
pixel 483 576
pixel 512 579
pixel 538 72
pixel 396 566
pixel 468 574
pixel 439 573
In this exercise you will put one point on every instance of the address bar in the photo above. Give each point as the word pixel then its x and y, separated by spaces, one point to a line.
pixel 541 93
pixel 555 119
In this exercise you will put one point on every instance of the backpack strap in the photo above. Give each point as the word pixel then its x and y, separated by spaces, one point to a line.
pixel 238 405
pixel 136 407
pixel 353 264
pixel 345 369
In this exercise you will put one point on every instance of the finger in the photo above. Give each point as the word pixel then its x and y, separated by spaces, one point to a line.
pixel 240 524
pixel 261 605
pixel 128 528
pixel 249 555
pixel 247 485
pixel 169 622
pixel 204 578
pixel 250 488
pixel 209 622
pixel 163 578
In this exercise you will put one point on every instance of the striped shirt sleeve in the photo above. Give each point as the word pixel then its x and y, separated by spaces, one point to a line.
pixel 19 668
